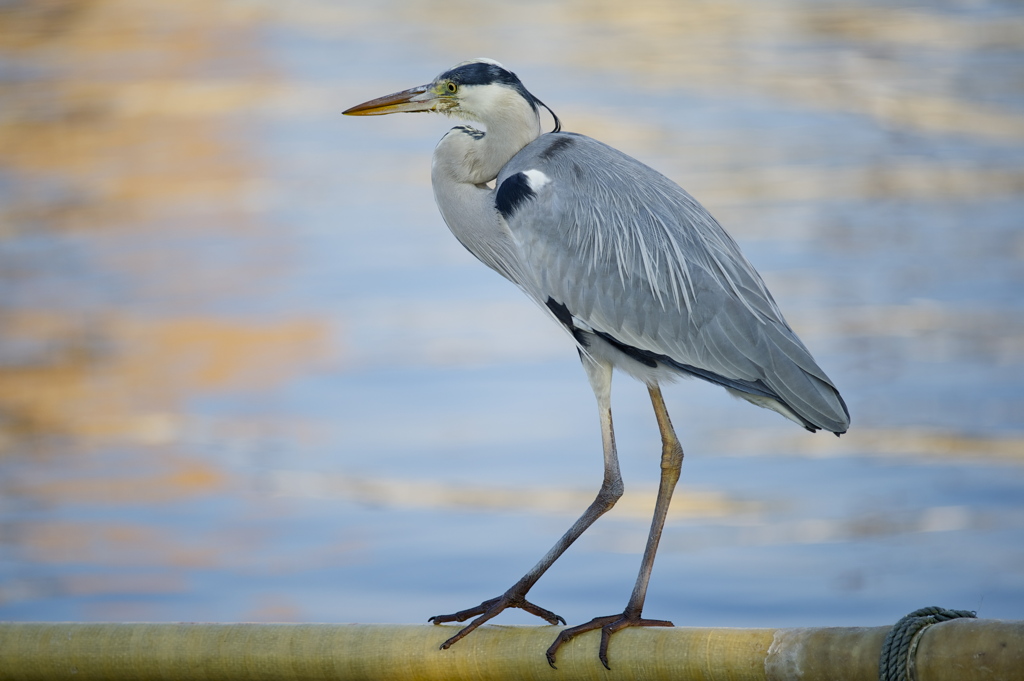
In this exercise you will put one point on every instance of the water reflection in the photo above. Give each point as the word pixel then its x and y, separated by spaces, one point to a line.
pixel 118 378
pixel 245 373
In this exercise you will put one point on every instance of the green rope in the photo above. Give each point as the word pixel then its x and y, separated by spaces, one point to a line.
pixel 900 643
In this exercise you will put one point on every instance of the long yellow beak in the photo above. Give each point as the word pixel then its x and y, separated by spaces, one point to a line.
pixel 415 99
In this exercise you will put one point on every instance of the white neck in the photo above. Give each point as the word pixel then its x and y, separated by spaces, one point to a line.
pixel 477 158
pixel 465 160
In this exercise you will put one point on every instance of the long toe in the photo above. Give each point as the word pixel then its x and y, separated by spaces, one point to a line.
pixel 608 626
pixel 463 615
pixel 487 610
pixel 547 615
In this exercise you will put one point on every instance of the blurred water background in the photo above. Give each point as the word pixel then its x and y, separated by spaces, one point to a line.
pixel 247 374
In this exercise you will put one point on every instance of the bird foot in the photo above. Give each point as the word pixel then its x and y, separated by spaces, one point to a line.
pixel 608 626
pixel 487 610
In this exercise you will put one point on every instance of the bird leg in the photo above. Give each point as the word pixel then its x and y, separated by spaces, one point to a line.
pixel 671 463
pixel 600 375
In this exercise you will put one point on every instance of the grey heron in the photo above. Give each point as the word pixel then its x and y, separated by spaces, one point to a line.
pixel 630 265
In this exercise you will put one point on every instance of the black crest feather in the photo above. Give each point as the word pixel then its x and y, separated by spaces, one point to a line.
pixel 488 73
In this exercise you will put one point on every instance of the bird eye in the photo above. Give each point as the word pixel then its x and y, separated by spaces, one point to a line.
pixel 452 87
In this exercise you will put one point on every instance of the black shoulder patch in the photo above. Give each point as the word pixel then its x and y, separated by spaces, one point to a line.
pixel 563 142
pixel 511 194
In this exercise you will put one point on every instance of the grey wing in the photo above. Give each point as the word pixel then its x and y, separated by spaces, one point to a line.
pixel 635 260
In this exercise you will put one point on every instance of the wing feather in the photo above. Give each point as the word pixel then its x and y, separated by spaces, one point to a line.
pixel 635 257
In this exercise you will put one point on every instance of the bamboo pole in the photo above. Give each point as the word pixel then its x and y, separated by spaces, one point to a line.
pixel 960 650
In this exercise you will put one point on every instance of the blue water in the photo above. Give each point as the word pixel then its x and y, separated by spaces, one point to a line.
pixel 247 374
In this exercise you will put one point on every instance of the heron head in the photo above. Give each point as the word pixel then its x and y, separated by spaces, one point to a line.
pixel 477 90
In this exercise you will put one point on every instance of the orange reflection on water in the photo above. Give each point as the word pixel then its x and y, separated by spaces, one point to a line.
pixel 105 121
pixel 184 479
pixel 111 545
pixel 118 377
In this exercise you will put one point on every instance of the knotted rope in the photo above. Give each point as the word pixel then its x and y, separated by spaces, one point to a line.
pixel 896 662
